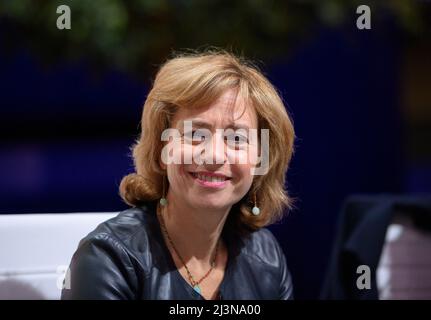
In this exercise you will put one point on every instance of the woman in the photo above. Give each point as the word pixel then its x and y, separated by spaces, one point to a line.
pixel 196 227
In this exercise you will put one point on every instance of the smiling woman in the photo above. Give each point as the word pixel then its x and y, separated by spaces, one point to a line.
pixel 196 229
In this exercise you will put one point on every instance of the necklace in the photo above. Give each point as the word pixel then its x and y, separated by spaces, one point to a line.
pixel 195 284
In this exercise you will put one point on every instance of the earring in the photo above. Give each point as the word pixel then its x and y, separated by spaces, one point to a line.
pixel 255 210
pixel 163 201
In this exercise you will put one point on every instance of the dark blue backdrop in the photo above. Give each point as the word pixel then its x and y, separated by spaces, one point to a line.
pixel 66 136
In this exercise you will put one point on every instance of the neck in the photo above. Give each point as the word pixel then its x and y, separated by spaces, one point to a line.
pixel 194 232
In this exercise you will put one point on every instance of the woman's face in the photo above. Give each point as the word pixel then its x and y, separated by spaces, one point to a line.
pixel 218 173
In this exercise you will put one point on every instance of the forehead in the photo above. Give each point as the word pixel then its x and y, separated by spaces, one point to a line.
pixel 228 109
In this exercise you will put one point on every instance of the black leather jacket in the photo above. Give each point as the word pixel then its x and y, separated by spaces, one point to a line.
pixel 126 258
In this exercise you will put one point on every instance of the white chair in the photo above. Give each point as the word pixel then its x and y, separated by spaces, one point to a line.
pixel 35 251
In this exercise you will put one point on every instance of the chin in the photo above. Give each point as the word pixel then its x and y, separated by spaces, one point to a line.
pixel 209 204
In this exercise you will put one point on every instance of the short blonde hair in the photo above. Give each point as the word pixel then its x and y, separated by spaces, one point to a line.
pixel 198 79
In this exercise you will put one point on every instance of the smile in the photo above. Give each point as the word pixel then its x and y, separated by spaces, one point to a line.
pixel 211 180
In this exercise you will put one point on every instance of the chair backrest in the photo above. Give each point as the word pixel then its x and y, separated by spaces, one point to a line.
pixel 404 270
pixel 382 249
pixel 35 251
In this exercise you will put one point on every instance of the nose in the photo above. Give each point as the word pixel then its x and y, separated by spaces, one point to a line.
pixel 215 150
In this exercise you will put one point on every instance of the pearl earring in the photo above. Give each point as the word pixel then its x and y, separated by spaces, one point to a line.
pixel 163 201
pixel 255 210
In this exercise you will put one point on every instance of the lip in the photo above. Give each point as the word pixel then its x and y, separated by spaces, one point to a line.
pixel 210 184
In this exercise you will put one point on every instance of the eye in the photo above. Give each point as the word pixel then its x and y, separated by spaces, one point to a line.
pixel 194 136
pixel 197 135
pixel 237 138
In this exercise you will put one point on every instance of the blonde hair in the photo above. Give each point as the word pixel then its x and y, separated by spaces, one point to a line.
pixel 198 79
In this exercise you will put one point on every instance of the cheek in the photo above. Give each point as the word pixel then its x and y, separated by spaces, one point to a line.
pixel 176 174
pixel 187 153
pixel 253 155
pixel 247 155
pixel 243 172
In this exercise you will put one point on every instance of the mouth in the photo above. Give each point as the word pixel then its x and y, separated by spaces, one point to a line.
pixel 211 180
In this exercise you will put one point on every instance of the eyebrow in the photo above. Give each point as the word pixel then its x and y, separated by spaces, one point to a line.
pixel 204 124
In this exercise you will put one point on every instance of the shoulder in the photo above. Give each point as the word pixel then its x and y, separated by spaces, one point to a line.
pixel 261 245
pixel 128 231
pixel 113 258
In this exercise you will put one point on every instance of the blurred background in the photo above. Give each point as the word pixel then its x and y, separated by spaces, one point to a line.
pixel 71 101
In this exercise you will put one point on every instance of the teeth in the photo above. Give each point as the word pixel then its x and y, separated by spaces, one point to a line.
pixel 209 178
